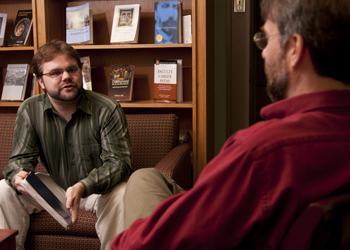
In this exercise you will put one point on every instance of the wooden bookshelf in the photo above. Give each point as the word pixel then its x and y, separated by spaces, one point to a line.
pixel 18 49
pixel 131 46
pixel 49 24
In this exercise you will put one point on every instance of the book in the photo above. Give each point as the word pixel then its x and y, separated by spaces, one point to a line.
pixel 168 21
pixel 22 29
pixel 15 83
pixel 44 196
pixel 168 81
pixel 79 24
pixel 121 82
pixel 126 22
pixel 187 29
pixel 3 20
pixel 86 72
pixel 36 89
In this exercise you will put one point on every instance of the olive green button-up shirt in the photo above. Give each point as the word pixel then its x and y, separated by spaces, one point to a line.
pixel 92 148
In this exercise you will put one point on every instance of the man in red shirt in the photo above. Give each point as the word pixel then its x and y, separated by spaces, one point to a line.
pixel 248 196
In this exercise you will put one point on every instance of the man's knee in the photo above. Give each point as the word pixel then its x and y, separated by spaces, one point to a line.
pixel 143 176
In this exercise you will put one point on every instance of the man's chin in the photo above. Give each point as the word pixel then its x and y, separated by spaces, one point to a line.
pixel 69 96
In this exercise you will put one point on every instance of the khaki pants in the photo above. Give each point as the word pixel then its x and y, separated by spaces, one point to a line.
pixel 109 209
pixel 145 189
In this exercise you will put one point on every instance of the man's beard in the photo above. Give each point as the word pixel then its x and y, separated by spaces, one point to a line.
pixel 71 97
pixel 277 88
pixel 277 80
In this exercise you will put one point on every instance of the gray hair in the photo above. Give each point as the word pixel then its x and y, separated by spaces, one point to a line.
pixel 324 26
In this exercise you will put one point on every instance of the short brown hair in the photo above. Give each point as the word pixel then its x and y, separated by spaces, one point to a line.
pixel 47 53
pixel 325 27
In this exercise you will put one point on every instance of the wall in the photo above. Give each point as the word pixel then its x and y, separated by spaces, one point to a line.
pixel 228 71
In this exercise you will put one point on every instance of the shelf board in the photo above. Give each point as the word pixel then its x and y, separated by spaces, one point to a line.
pixel 17 48
pixel 134 104
pixel 10 103
pixel 132 46
pixel 156 105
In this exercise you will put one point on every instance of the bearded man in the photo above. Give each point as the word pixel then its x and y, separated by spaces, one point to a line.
pixel 248 196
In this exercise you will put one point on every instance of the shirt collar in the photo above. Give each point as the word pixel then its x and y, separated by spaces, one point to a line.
pixel 83 105
pixel 307 102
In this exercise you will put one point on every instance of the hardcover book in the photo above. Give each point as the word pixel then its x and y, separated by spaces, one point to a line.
pixel 126 22
pixel 15 83
pixel 86 72
pixel 3 20
pixel 44 196
pixel 121 82
pixel 79 24
pixel 22 29
pixel 168 81
pixel 167 21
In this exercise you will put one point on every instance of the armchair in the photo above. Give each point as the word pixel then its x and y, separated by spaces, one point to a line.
pixel 154 140
pixel 323 225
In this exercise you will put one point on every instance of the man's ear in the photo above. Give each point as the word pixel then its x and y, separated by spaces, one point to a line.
pixel 295 50
pixel 40 81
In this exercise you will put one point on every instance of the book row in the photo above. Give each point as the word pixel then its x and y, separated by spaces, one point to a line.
pixel 167 85
pixel 170 26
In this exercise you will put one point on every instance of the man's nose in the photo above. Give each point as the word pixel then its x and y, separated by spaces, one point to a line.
pixel 65 75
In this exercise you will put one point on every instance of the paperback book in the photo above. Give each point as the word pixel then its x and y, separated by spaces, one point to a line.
pixel 3 20
pixel 187 29
pixel 168 81
pixel 79 24
pixel 43 195
pixel 126 22
pixel 86 72
pixel 168 21
pixel 22 29
pixel 121 82
pixel 15 83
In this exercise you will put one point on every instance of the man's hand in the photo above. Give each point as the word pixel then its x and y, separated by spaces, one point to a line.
pixel 17 181
pixel 73 195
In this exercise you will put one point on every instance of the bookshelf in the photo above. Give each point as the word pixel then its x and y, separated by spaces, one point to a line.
pixel 49 23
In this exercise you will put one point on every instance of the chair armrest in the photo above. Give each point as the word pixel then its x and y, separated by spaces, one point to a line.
pixel 177 165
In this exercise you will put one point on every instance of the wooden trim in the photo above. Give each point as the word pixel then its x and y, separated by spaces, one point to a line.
pixel 35 25
pixel 41 20
pixel 17 48
pixel 135 104
pixel 10 104
pixel 201 79
pixel 132 46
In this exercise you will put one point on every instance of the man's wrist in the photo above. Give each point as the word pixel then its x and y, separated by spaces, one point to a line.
pixel 81 188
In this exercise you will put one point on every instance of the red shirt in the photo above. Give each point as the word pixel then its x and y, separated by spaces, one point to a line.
pixel 250 193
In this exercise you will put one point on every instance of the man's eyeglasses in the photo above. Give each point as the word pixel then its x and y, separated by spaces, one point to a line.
pixel 57 73
pixel 260 40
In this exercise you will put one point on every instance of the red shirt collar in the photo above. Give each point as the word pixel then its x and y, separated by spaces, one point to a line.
pixel 307 102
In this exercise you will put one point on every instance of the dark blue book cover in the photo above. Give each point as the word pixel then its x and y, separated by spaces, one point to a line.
pixel 167 22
